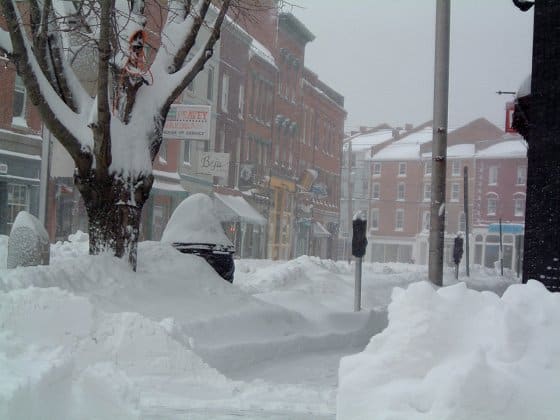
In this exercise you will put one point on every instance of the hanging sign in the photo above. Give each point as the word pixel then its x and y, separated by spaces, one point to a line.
pixel 188 122
pixel 214 164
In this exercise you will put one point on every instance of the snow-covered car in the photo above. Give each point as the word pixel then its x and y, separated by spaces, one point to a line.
pixel 194 228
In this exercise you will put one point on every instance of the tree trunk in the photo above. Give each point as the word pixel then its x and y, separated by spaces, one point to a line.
pixel 114 208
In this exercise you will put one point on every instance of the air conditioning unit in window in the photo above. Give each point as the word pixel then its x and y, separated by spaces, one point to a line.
pixel 3 168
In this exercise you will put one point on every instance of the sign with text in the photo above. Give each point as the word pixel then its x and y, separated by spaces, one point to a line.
pixel 188 122
pixel 215 164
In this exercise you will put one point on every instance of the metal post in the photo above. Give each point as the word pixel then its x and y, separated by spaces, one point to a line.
pixel 349 196
pixel 45 174
pixel 439 143
pixel 466 210
pixel 501 250
pixel 358 285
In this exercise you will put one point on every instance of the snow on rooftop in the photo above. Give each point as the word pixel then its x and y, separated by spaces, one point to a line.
pixel 457 151
pixel 506 149
pixel 367 141
pixel 419 137
pixel 398 151
pixel 261 51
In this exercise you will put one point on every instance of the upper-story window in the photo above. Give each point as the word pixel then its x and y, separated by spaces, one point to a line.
pixel 374 219
pixel 399 219
pixel 427 191
pixel 377 168
pixel 225 92
pixel 455 191
pixel 521 178
pixel 18 105
pixel 241 101
pixel 400 191
pixel 375 190
pixel 493 175
pixel 456 168
pixel 402 168
pixel 492 205
pixel 210 84
pixel 428 168
pixel 519 206
pixel 462 222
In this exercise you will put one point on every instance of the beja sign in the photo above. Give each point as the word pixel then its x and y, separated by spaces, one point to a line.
pixel 212 163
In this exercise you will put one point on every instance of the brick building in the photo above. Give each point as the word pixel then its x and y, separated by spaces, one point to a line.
pixel 20 149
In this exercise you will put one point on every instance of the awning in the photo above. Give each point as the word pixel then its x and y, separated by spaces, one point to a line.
pixel 320 231
pixel 232 208
pixel 511 228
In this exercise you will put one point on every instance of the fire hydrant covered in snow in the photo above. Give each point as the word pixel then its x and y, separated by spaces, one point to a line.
pixel 195 229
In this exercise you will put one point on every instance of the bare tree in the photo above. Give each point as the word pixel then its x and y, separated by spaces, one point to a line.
pixel 112 131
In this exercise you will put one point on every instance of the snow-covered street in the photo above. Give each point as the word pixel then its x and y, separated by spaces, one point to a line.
pixel 86 338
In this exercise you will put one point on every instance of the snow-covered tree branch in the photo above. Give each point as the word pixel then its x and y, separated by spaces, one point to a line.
pixel 85 67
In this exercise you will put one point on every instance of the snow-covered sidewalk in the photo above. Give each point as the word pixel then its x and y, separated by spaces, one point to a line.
pixel 85 338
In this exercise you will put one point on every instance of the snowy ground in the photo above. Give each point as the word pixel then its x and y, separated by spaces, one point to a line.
pixel 85 338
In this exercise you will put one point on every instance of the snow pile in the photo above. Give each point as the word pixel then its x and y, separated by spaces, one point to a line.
pixel 3 251
pixel 70 359
pixel 194 221
pixel 454 353
pixel 77 245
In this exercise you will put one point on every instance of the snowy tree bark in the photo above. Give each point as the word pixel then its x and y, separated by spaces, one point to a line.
pixel 114 134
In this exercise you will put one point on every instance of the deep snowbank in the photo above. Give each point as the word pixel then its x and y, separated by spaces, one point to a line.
pixel 457 354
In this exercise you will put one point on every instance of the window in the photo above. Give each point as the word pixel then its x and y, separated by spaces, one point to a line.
pixel 377 168
pixel 402 168
pixel 375 190
pixel 521 175
pixel 399 219
pixel 462 222
pixel 187 152
pixel 456 168
pixel 428 168
pixel 493 175
pixel 241 101
pixel 225 92
pixel 492 205
pixel 455 191
pixel 163 151
pixel 374 219
pixel 519 206
pixel 210 84
pixel 426 220
pixel 18 105
pixel 400 191
pixel 18 200
pixel 427 191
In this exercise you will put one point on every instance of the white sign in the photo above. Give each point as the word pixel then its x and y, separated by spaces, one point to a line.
pixel 215 164
pixel 188 122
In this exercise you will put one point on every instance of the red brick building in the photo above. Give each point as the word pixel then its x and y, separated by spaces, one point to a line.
pixel 20 149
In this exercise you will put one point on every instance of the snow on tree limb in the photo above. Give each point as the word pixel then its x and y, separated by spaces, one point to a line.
pixel 63 121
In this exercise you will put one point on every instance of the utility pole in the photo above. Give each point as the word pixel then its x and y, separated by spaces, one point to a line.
pixel 439 143
pixel 350 215
pixel 466 211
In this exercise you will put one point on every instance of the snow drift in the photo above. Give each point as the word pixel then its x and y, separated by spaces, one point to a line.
pixel 457 354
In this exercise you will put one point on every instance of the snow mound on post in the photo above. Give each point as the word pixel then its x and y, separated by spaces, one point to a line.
pixel 194 221
pixel 454 353
pixel 28 243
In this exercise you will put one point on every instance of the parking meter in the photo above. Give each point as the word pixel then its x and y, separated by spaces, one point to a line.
pixel 457 250
pixel 359 241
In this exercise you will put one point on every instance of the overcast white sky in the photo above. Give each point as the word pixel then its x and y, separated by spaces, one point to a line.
pixel 379 54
